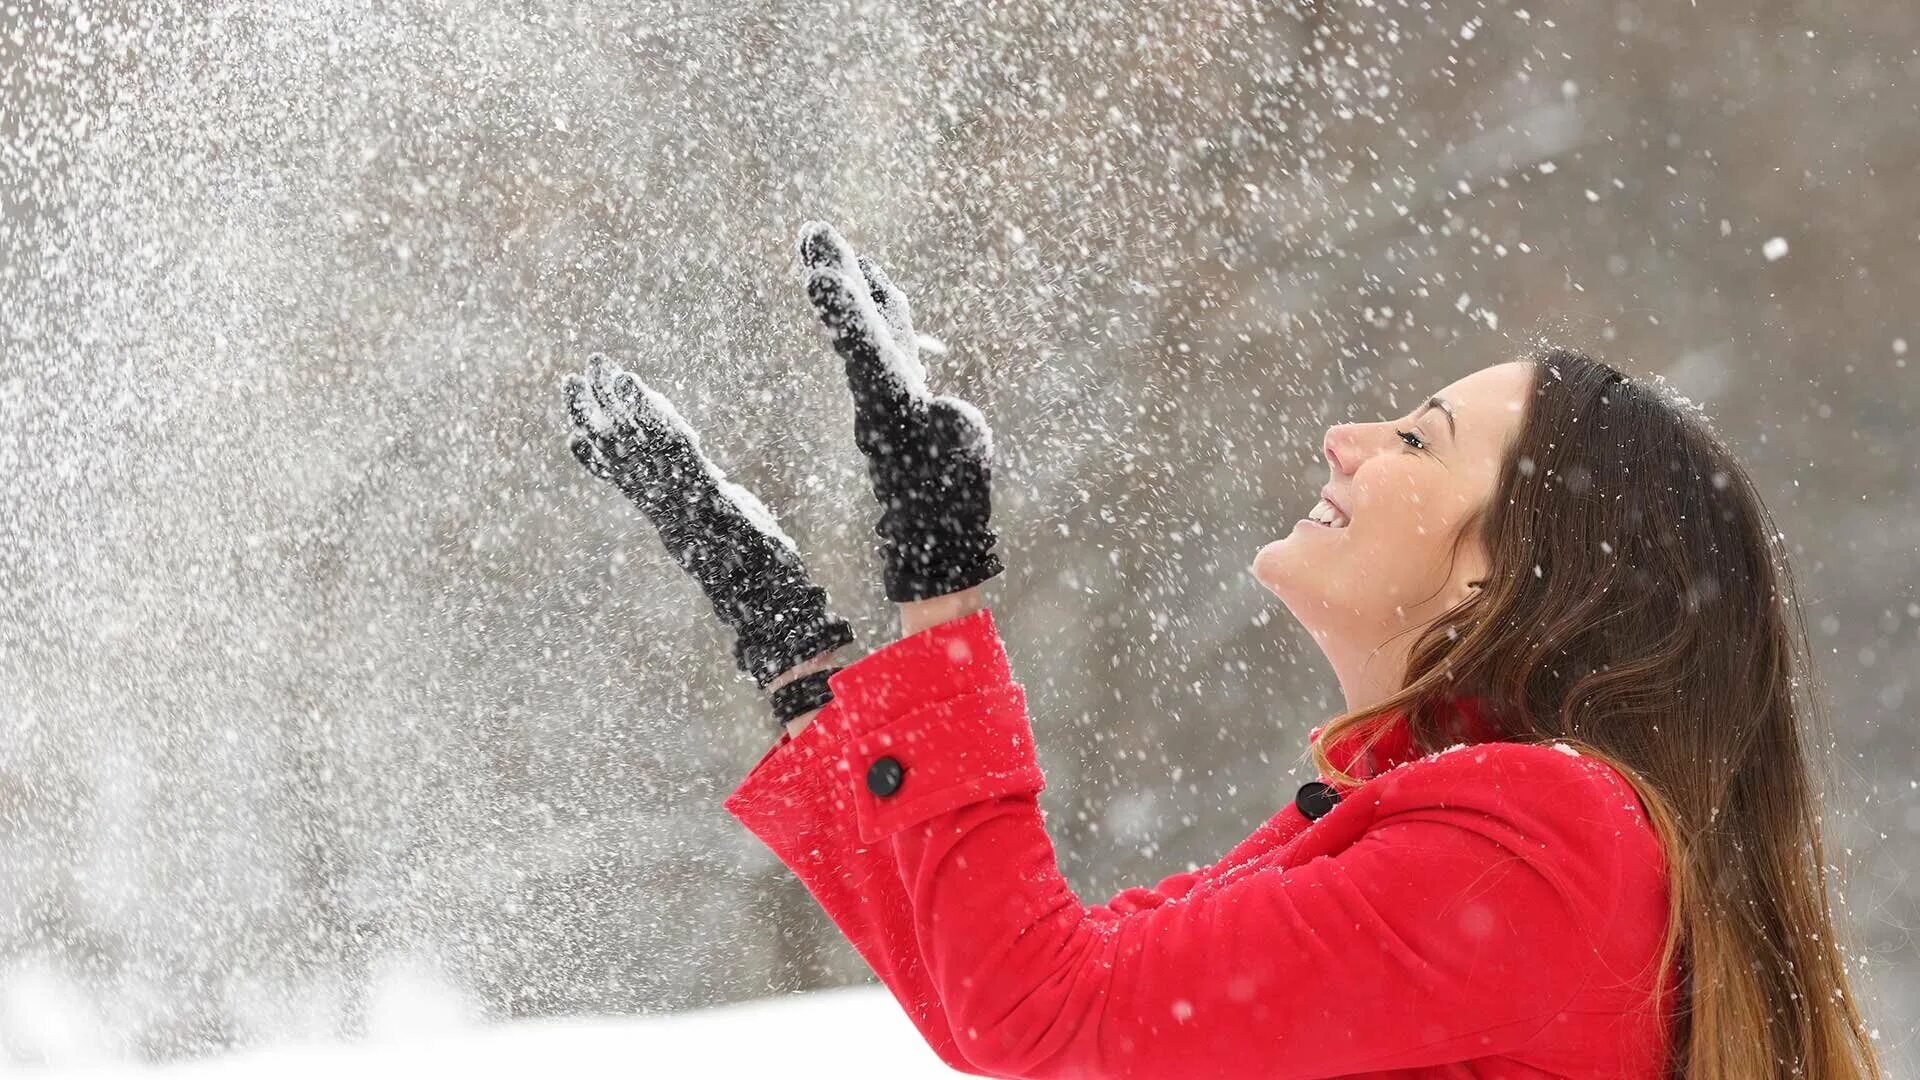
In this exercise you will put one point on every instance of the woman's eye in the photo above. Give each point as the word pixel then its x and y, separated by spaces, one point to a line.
pixel 1411 438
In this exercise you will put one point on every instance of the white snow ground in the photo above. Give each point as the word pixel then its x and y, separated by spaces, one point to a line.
pixel 823 1033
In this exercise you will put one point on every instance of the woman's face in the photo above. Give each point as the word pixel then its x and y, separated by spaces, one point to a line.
pixel 1406 487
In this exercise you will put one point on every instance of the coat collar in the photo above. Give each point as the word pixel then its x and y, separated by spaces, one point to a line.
pixel 1469 722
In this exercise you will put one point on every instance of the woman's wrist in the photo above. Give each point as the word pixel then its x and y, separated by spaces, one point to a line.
pixel 820 662
pixel 915 616
pixel 918 615
pixel 804 667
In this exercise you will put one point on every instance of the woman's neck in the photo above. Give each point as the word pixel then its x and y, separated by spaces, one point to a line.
pixel 1371 675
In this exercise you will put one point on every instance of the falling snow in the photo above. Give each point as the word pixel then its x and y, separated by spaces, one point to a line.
pixel 342 704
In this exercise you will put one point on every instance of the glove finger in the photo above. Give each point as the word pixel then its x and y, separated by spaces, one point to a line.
pixel 629 397
pixel 958 423
pixel 672 444
pixel 893 306
pixel 666 433
pixel 756 514
pixel 584 452
pixel 883 381
pixel 676 444
pixel 823 248
pixel 888 313
pixel 582 408
pixel 601 372
pixel 862 313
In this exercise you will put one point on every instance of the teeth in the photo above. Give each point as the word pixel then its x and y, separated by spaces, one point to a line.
pixel 1327 514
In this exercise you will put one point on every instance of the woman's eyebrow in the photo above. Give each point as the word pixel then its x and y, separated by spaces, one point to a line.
pixel 1443 406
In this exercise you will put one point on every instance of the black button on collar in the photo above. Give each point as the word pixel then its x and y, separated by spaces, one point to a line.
pixel 1314 799
pixel 883 776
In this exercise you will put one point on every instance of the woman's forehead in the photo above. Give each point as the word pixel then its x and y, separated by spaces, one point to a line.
pixel 1487 405
pixel 1490 391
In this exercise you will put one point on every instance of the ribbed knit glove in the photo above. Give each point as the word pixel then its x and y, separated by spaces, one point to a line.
pixel 928 458
pixel 629 435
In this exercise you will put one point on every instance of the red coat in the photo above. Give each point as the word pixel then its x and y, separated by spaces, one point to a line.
pixel 1491 910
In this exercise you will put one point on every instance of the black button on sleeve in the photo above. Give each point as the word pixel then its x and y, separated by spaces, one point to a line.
pixel 1315 799
pixel 884 776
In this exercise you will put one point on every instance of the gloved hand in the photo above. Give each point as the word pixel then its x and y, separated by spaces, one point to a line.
pixel 629 435
pixel 928 458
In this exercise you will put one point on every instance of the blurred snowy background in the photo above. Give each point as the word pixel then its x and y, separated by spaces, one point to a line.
pixel 336 701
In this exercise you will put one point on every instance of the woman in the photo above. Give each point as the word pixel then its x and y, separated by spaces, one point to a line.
pixel 1563 828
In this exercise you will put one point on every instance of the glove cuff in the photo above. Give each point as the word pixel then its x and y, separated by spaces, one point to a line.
pixel 775 649
pixel 802 695
pixel 921 578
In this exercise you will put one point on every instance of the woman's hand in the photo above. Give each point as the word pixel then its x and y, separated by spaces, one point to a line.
pixel 928 458
pixel 632 437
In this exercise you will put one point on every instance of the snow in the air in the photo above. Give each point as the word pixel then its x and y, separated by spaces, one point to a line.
pixel 338 703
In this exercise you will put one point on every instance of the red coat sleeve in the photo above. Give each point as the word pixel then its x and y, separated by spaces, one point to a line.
pixel 793 802
pixel 1452 929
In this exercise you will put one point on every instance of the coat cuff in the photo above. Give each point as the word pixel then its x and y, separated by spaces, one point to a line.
pixel 929 724
pixel 785 797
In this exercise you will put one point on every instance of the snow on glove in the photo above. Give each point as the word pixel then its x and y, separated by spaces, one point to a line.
pixel 928 458
pixel 631 436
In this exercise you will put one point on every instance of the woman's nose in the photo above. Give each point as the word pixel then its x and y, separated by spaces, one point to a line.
pixel 1340 450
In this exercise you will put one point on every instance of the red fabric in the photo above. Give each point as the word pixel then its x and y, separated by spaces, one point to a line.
pixel 1491 910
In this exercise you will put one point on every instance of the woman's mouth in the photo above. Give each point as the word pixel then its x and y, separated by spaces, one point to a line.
pixel 1327 516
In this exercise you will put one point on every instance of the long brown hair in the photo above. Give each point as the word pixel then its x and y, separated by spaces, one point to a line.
pixel 1640 609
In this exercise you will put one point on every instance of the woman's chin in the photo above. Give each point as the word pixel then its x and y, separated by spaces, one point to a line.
pixel 1281 566
pixel 1302 575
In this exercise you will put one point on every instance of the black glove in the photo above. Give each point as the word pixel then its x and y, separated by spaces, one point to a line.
pixel 631 436
pixel 928 457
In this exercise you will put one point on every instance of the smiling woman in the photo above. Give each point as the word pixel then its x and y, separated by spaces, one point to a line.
pixel 1575 553
pixel 1564 827
pixel 1407 490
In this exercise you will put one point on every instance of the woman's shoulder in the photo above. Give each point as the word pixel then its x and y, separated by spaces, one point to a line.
pixel 1572 814
pixel 1544 776
pixel 1518 811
